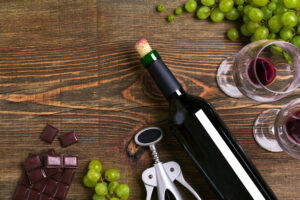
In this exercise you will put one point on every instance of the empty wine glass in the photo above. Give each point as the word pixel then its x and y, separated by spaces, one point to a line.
pixel 279 129
pixel 265 71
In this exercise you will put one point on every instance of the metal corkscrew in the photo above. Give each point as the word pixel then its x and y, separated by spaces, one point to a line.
pixel 162 175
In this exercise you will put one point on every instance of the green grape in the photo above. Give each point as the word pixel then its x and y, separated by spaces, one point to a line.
pixel 171 18
pixel 190 6
pixel 260 2
pixel 289 19
pixel 226 5
pixel 161 8
pixel 298 29
pixel 252 26
pixel 239 2
pixel 178 11
pixel 88 183
pixel 96 165
pixel 286 33
pixel 93 175
pixel 244 31
pixel 267 12
pixel 279 9
pixel 272 36
pixel 232 14
pixel 203 12
pixel 112 186
pixel 122 190
pixel 98 197
pixel 217 15
pixel 246 19
pixel 112 175
pixel 240 8
pixel 256 15
pixel 296 41
pixel 232 34
pixel 208 2
pixel 275 23
pixel 101 189
pixel 114 198
pixel 247 9
pixel 272 6
pixel 261 33
pixel 290 3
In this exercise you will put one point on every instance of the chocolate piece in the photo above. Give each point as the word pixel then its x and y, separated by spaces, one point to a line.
pixel 53 162
pixel 51 187
pixel 40 186
pixel 62 191
pixel 68 139
pixel 52 171
pixel 49 133
pixel 21 193
pixel 67 176
pixel 36 175
pixel 57 176
pixel 32 162
pixel 70 161
pixel 34 195
pixel 24 180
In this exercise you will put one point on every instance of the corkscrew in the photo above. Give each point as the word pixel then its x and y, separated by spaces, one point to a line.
pixel 162 175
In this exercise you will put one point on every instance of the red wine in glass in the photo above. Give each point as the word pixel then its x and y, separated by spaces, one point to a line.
pixel 265 71
pixel 292 126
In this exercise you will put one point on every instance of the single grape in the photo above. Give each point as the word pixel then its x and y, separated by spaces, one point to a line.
pixel 255 14
pixel 93 175
pixel 247 9
pixel 272 6
pixel 246 19
pixel 289 19
pixel 88 183
pixel 239 2
pixel 298 29
pixel 296 41
pixel 252 26
pixel 279 9
pixel 178 11
pixel 112 186
pixel 275 23
pixel 101 189
pixel 232 14
pixel 286 33
pixel 98 197
pixel 190 6
pixel 290 3
pixel 122 190
pixel 244 31
pixel 232 34
pixel 217 15
pixel 208 2
pixel 161 8
pixel 240 8
pixel 261 33
pixel 272 36
pixel 226 5
pixel 267 12
pixel 96 165
pixel 112 175
pixel 203 12
pixel 260 2
pixel 171 18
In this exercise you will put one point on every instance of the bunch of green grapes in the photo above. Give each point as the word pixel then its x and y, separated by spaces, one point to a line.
pixel 262 19
pixel 107 187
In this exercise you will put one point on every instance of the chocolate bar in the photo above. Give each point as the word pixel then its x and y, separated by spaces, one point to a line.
pixel 68 139
pixel 51 187
pixel 49 133
pixel 67 176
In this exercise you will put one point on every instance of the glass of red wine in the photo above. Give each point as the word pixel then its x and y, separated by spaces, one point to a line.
pixel 279 129
pixel 264 71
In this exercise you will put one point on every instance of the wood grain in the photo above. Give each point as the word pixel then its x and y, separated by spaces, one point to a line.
pixel 72 64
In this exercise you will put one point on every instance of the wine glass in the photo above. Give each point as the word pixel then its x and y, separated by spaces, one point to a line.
pixel 279 129
pixel 265 71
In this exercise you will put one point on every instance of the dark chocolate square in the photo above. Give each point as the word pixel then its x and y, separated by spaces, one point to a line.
pixel 62 191
pixel 32 162
pixel 51 187
pixel 34 195
pixel 57 176
pixel 21 193
pixel 70 161
pixel 52 171
pixel 67 176
pixel 49 133
pixel 68 139
pixel 40 186
pixel 46 197
pixel 36 175
pixel 24 180
pixel 53 161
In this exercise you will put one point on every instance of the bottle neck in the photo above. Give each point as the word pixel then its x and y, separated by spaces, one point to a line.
pixel 163 77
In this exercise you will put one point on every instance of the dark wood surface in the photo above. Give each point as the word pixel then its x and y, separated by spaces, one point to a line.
pixel 72 64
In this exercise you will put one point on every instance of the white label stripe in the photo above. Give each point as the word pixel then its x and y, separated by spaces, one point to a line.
pixel 229 156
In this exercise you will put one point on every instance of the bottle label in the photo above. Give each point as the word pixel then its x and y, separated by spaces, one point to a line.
pixel 229 156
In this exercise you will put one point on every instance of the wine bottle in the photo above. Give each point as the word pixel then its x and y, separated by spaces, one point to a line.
pixel 205 138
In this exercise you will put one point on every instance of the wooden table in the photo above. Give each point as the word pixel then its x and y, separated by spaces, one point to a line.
pixel 72 64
